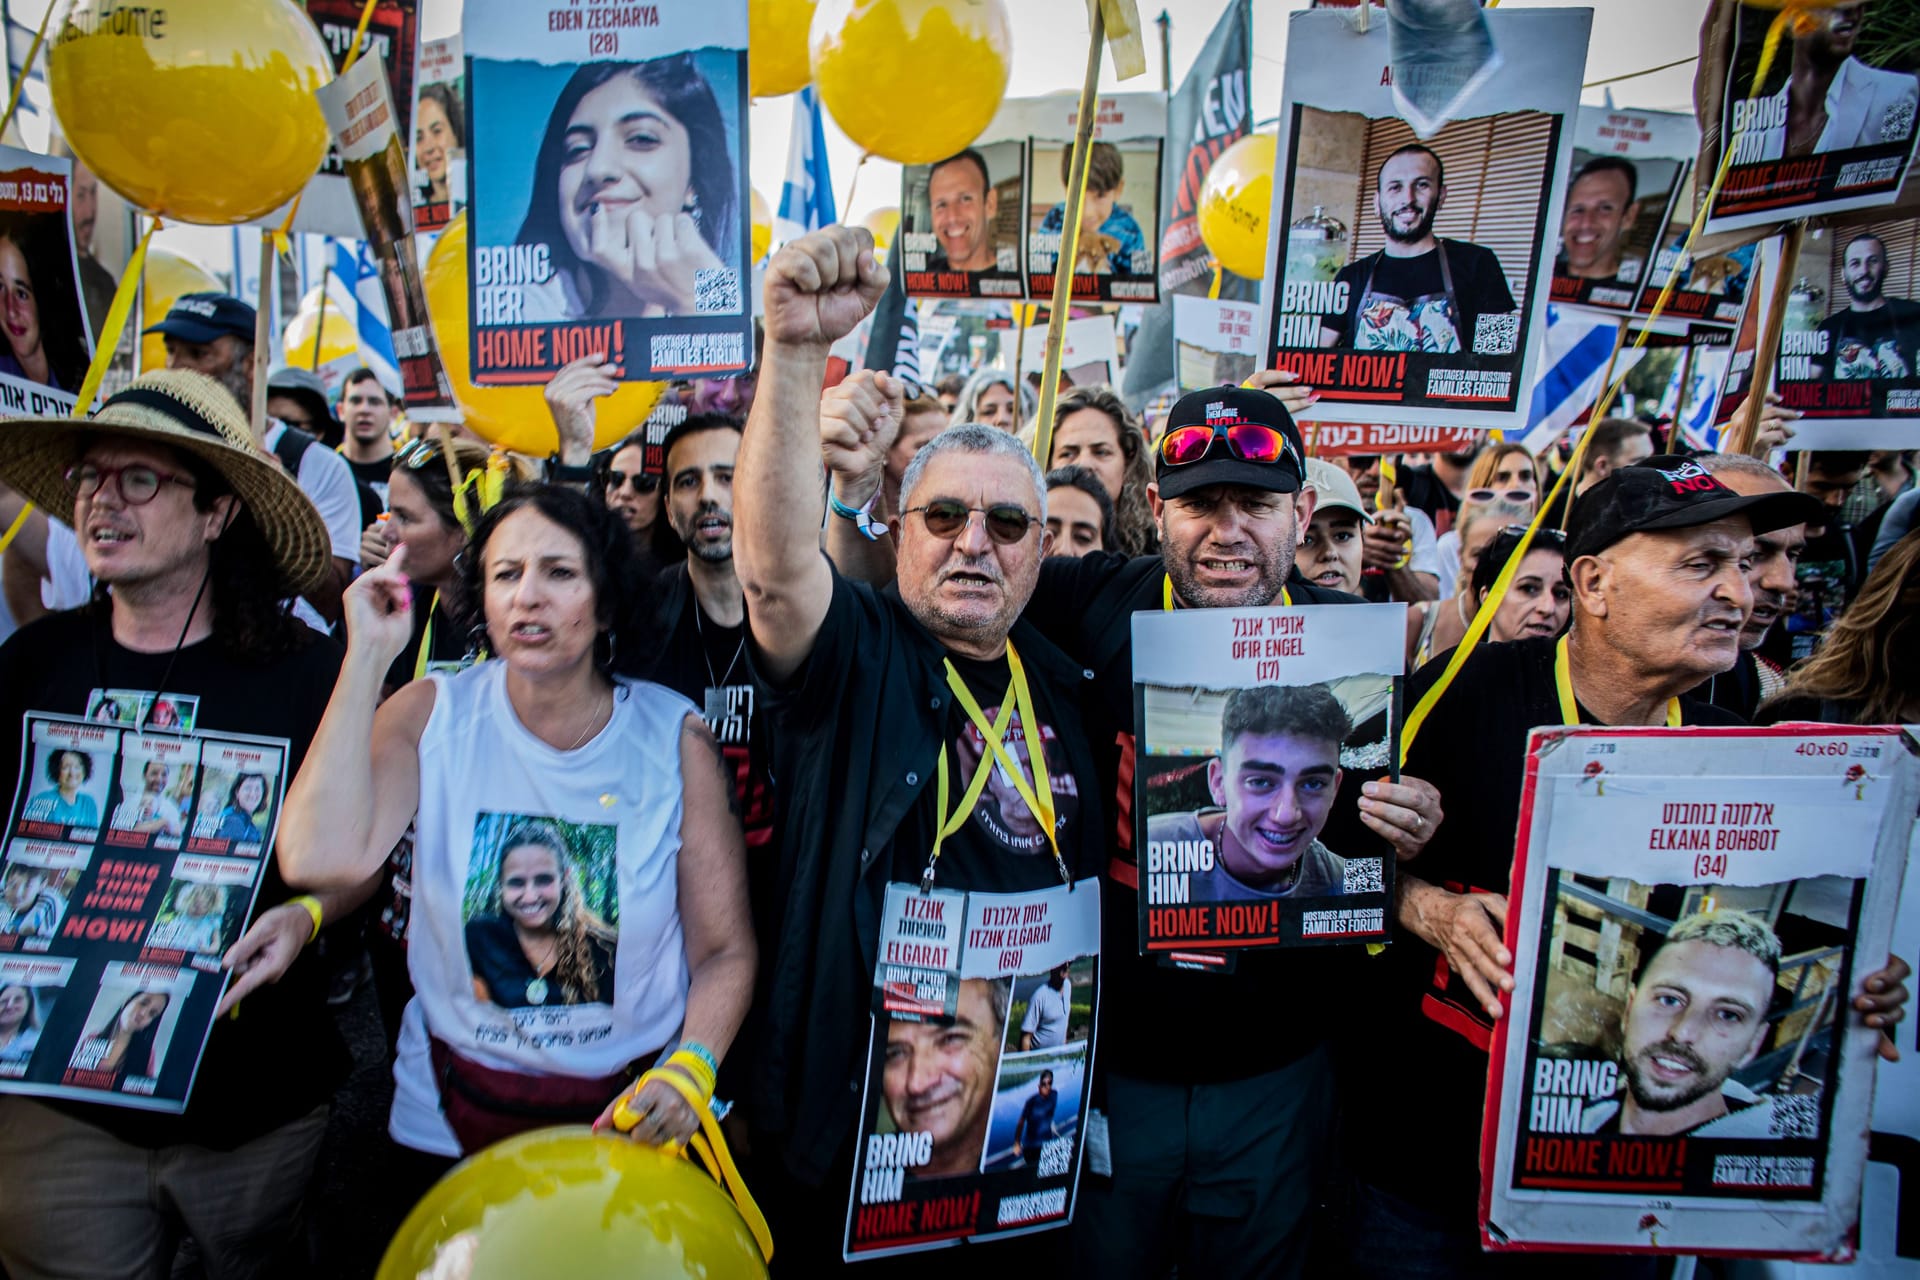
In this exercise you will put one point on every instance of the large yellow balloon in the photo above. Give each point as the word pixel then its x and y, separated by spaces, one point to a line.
pixel 777 59
pixel 762 238
pixel 567 1202
pixel 515 418
pixel 330 330
pixel 168 276
pixel 912 80
pixel 197 110
pixel 883 223
pixel 1234 203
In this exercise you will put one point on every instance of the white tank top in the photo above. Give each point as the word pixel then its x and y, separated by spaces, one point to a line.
pixel 545 934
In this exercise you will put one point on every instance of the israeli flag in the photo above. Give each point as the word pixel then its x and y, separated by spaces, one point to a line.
pixel 19 42
pixel 1578 347
pixel 806 198
pixel 355 268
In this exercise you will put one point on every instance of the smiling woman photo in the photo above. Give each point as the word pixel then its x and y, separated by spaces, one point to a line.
pixel 541 943
pixel 39 305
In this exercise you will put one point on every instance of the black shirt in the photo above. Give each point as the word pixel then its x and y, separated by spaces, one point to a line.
pixel 1421 1062
pixel 282 1057
pixel 1148 1010
pixel 1882 343
pixel 1404 304
pixel 857 732
pixel 371 479
pixel 449 647
pixel 1422 489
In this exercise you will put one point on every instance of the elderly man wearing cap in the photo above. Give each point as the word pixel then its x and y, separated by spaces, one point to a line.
pixel 1658 559
pixel 212 333
pixel 197 535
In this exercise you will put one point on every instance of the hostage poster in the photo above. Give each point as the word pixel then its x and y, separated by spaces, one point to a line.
pixel 979 1067
pixel 1115 259
pixel 1831 128
pixel 1245 721
pixel 329 203
pixel 1850 351
pixel 48 343
pixel 133 854
pixel 1626 173
pixel 607 188
pixel 1430 312
pixel 437 160
pixel 1692 913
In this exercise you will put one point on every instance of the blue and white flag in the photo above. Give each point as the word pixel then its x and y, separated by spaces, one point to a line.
pixel 19 42
pixel 806 199
pixel 355 267
pixel 1574 373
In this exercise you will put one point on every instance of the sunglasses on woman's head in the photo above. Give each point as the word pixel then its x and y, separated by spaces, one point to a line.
pixel 641 481
pixel 1509 495
pixel 1006 522
pixel 1555 539
pixel 1247 441
pixel 417 453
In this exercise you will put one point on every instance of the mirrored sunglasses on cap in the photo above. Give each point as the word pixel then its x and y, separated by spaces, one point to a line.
pixel 1247 441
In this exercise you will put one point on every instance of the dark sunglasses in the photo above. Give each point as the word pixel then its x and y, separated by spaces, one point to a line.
pixel 1006 522
pixel 1510 495
pixel 138 484
pixel 642 482
pixel 1247 441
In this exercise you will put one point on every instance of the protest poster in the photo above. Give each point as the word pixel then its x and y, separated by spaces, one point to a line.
pixel 1621 186
pixel 1115 260
pixel 49 344
pixel 1246 719
pixel 1089 352
pixel 607 188
pixel 1217 341
pixel 1831 128
pixel 1850 351
pixel 132 859
pixel 1737 383
pixel 979 1067
pixel 359 113
pixel 1431 312
pixel 327 204
pixel 1713 286
pixel 1372 439
pixel 1691 914
pixel 437 159
pixel 961 223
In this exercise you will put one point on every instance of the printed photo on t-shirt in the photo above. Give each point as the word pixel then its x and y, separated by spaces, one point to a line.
pixel 937 1080
pixel 541 910
pixel 1036 1100
pixel 129 708
pixel 36 888
pixel 1002 814
pixel 124 1038
pixel 30 986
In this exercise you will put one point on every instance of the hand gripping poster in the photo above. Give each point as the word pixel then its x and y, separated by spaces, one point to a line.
pixel 48 344
pixel 1692 913
pixel 1245 720
pixel 129 865
pixel 1430 312
pixel 979 1067
pixel 607 187
pixel 1830 127
pixel 1626 173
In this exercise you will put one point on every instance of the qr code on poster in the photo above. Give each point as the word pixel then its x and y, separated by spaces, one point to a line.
pixel 716 291
pixel 1796 1115
pixel 1362 875
pixel 1495 335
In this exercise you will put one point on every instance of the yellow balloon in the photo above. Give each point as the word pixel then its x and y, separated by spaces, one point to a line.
pixel 912 81
pixel 330 330
pixel 883 223
pixel 762 225
pixel 197 110
pixel 568 1202
pixel 1234 203
pixel 168 277
pixel 515 418
pixel 777 46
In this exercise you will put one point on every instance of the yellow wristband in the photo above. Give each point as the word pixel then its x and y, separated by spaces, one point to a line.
pixel 312 905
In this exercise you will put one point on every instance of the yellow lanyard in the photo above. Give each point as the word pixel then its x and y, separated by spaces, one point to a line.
pixel 1563 682
pixel 426 643
pixel 1166 595
pixel 1042 809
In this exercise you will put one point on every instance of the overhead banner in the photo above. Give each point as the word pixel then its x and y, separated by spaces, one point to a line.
pixel 1371 439
pixel 437 158
pixel 1831 128
pixel 607 189
pixel 1850 352
pixel 49 344
pixel 1245 720
pixel 1625 175
pixel 1692 912
pixel 1431 312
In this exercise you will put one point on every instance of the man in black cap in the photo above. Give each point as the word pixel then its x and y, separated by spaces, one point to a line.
pixel 212 334
pixel 1658 558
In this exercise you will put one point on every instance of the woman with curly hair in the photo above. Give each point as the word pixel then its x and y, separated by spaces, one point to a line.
pixel 541 943
pixel 1092 428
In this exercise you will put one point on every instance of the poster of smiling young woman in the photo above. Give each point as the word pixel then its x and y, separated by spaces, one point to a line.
pixel 48 345
pixel 607 188
pixel 1692 913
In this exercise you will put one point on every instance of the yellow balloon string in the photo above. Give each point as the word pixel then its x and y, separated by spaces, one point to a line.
pixel 13 530
pixel 1477 630
pixel 710 1145
pixel 26 68
pixel 359 34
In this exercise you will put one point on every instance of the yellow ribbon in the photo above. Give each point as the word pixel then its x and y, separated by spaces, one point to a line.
pixel 1563 685
pixel 709 1143
pixel 26 68
pixel 359 34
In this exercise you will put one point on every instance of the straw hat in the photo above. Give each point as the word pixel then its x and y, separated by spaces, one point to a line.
pixel 194 414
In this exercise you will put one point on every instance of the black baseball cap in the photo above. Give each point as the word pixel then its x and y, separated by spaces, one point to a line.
pixel 203 317
pixel 1223 408
pixel 1671 492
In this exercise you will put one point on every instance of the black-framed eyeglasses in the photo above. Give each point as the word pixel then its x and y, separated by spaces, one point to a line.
pixel 1006 522
pixel 137 483
pixel 642 481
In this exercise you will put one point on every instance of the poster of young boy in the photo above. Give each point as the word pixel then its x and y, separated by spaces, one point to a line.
pixel 1246 720
pixel 1626 173
pixel 608 197
pixel 1435 317
pixel 1850 352
pixel 1692 913
pixel 1115 260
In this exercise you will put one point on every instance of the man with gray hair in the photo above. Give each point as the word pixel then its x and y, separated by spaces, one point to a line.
pixel 1755 678
pixel 890 712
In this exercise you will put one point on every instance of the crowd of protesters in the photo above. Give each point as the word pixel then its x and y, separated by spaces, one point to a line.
pixel 671 731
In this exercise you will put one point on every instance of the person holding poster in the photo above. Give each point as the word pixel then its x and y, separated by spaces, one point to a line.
pixel 910 891
pixel 198 535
